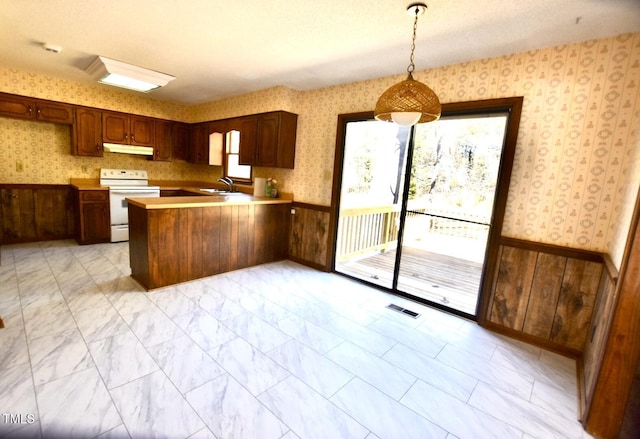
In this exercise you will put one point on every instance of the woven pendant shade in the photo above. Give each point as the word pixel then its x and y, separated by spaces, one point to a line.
pixel 408 96
pixel 409 102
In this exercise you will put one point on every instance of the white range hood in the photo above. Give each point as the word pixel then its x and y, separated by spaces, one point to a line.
pixel 127 149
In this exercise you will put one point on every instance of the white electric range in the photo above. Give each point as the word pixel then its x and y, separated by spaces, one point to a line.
pixel 123 184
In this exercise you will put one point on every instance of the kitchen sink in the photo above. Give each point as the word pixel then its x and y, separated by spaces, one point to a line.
pixel 224 192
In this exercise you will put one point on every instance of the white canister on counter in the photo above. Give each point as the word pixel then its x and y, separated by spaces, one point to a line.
pixel 259 186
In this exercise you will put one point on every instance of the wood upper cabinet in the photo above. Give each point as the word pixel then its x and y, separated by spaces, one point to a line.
pixel 127 129
pixel 180 142
pixel 36 109
pixel 54 112
pixel 199 143
pixel 275 140
pixel 248 127
pixel 86 136
pixel 163 150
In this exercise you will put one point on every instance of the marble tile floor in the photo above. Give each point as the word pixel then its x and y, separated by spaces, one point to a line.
pixel 275 351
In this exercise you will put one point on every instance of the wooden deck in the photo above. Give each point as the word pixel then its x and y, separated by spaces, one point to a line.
pixel 447 280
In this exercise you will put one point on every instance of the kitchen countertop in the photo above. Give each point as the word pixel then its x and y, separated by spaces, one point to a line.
pixel 94 184
pixel 202 201
pixel 87 184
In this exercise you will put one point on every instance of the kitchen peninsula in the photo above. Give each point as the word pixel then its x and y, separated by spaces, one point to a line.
pixel 177 239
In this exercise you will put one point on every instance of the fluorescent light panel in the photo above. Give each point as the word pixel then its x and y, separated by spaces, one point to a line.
pixel 112 72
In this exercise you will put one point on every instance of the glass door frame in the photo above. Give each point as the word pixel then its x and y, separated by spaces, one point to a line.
pixel 511 106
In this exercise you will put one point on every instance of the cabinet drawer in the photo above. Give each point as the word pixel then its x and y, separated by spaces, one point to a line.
pixel 94 195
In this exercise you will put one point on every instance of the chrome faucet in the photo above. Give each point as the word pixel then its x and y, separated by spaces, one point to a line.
pixel 228 182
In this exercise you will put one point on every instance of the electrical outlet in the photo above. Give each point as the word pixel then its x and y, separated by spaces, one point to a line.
pixel 84 169
pixel 19 166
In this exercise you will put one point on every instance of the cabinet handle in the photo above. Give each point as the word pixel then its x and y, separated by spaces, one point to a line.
pixel 29 109
pixel 12 195
pixel 98 147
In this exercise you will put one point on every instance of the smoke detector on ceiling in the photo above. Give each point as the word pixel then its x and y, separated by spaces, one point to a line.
pixel 51 48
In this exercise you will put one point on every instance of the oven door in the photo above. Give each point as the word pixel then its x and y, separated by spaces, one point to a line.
pixel 118 202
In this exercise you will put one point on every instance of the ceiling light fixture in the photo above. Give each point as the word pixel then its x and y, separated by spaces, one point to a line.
pixel 112 72
pixel 410 101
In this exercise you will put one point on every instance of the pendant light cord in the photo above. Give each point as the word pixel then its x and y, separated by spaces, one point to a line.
pixel 412 66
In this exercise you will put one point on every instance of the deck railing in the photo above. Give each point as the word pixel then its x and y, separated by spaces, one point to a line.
pixel 367 230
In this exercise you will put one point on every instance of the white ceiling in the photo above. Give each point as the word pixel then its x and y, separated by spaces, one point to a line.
pixel 220 48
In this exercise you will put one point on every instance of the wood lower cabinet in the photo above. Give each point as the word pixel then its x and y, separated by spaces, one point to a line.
pixel 169 246
pixel 92 213
pixel 18 215
pixel 35 213
pixel 86 139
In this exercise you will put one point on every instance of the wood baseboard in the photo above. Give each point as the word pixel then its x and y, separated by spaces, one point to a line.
pixel 536 341
pixel 311 264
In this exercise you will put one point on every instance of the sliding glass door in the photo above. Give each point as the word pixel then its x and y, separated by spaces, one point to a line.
pixel 417 205
pixel 371 198
pixel 454 173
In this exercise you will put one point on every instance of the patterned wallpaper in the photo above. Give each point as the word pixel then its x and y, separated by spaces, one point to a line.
pixel 576 172
pixel 42 150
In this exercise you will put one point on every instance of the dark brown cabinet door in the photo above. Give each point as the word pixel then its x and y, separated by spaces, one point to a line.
pixel 199 143
pixel 163 150
pixel 180 141
pixel 16 106
pixel 127 130
pixel 268 139
pixel 35 213
pixel 267 148
pixel 142 131
pixel 93 219
pixel 26 108
pixel 53 112
pixel 272 142
pixel 248 128
pixel 115 128
pixel 96 223
pixel 18 215
pixel 53 208
pixel 87 133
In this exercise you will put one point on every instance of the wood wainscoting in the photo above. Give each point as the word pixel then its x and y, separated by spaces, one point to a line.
pixel 310 235
pixel 595 342
pixel 611 364
pixel 36 212
pixel 174 245
pixel 544 294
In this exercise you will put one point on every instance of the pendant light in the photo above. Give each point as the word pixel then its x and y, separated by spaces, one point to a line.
pixel 410 101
